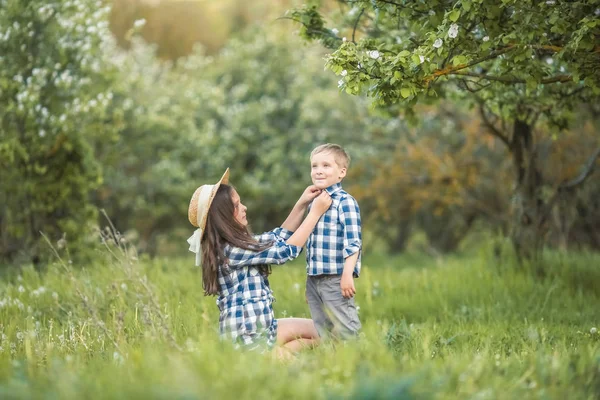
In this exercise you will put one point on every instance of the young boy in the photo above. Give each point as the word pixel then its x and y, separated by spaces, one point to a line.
pixel 333 249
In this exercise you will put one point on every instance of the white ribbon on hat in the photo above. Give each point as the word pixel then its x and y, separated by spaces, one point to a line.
pixel 195 240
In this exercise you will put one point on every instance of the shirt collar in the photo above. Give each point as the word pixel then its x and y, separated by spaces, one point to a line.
pixel 334 188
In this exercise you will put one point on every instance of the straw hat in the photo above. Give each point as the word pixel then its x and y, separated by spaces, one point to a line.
pixel 198 212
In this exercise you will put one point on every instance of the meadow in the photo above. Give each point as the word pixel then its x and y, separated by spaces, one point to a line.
pixel 469 326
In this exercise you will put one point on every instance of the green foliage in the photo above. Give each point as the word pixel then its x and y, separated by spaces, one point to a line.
pixel 269 105
pixel 53 98
pixel 459 329
pixel 508 54
pixel 258 108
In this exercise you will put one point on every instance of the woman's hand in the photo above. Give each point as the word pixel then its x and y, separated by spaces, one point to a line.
pixel 321 203
pixel 309 195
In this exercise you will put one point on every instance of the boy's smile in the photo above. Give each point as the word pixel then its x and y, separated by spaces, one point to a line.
pixel 325 171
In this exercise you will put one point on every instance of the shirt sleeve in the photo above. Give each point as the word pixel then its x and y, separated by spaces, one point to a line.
pixel 279 253
pixel 349 215
pixel 273 235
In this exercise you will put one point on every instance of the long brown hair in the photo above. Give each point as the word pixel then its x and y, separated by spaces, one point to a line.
pixel 222 228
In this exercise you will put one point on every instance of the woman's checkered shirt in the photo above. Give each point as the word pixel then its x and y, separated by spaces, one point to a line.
pixel 245 298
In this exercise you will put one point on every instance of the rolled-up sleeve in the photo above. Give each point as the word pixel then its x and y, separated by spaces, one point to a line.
pixel 273 235
pixel 279 253
pixel 349 215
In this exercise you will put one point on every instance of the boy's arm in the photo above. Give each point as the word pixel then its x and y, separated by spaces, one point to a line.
pixel 350 219
pixel 347 283
pixel 293 221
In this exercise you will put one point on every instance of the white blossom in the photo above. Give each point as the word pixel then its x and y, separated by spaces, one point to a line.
pixel 21 289
pixel 431 12
pixel 593 331
pixel 344 39
pixel 549 61
pixel 438 43
pixel 551 2
pixel 344 73
pixel 453 31
pixel 340 83
pixel 374 54
pixel 421 58
pixel 139 23
pixel 335 31
pixel 486 38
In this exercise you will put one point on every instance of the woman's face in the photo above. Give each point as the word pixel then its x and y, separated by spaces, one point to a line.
pixel 239 210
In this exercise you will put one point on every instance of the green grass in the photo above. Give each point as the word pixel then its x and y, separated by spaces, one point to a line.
pixel 471 326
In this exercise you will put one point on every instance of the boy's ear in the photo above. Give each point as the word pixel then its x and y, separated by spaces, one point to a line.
pixel 342 173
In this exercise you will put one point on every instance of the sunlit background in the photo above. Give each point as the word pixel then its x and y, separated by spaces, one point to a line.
pixel 114 113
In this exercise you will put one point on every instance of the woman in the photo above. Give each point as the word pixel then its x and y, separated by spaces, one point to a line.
pixel 235 264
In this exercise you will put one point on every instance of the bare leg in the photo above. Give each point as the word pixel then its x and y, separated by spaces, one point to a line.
pixel 294 334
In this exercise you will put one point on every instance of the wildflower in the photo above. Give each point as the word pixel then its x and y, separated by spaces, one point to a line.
pixel 55 295
pixel 438 43
pixel 549 61
pixel 374 54
pixel 20 335
pixel 453 31
pixel 486 38
pixel 551 2
pixel 344 39
pixel 335 31
pixel 139 23
pixel 21 289
pixel 124 286
pixel 344 73
pixel 593 331
pixel 340 83
pixel 421 58
pixel 431 12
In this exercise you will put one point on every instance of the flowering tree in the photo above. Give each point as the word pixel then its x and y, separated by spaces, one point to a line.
pixel 518 62
pixel 53 79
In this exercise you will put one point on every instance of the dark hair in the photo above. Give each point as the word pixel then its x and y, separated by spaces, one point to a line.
pixel 221 229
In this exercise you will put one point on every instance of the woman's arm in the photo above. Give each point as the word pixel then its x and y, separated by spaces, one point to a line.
pixel 320 205
pixel 281 251
pixel 294 220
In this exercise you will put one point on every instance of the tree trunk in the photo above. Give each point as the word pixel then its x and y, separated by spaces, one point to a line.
pixel 527 230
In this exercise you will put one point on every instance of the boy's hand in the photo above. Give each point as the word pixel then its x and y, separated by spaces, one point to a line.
pixel 347 285
pixel 309 195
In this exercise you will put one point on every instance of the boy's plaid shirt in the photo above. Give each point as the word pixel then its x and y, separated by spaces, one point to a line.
pixel 336 236
pixel 245 297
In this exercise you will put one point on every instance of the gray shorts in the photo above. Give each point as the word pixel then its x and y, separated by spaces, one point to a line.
pixel 333 314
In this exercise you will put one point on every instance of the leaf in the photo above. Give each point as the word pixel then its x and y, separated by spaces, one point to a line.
pixel 405 92
pixel 454 15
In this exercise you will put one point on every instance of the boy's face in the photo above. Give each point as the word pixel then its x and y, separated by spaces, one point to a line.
pixel 324 171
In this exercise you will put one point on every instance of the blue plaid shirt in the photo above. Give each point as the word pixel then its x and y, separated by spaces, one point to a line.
pixel 245 297
pixel 336 236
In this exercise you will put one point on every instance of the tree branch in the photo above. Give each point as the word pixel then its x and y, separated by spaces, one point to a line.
pixel 356 24
pixel 510 80
pixel 451 69
pixel 492 128
pixel 588 169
